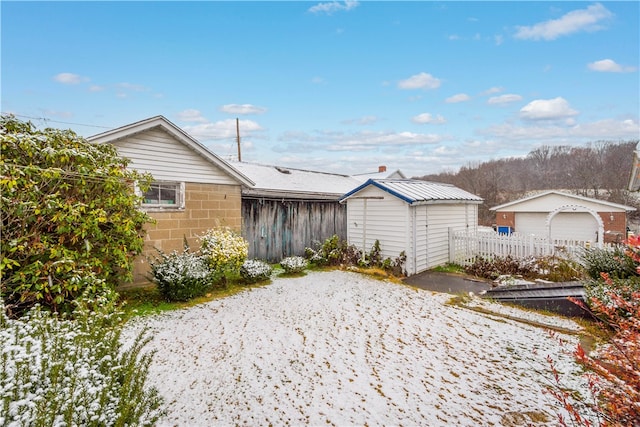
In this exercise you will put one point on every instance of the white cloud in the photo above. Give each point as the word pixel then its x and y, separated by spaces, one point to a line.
pixel 588 19
pixel 504 99
pixel 318 80
pixel 222 129
pixel 610 66
pixel 420 81
pixel 547 109
pixel 191 115
pixel 242 109
pixel 60 114
pixel 608 129
pixel 427 118
pixel 357 141
pixel 492 90
pixel 460 97
pixel 69 78
pixel 96 88
pixel 131 87
pixel 499 39
pixel 334 6
pixel 364 120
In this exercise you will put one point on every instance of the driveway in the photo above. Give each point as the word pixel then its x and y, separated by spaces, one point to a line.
pixel 447 282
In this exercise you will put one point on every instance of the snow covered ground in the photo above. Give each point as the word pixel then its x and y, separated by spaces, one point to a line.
pixel 340 348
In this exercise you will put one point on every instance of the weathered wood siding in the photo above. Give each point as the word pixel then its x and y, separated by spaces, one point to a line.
pixel 157 152
pixel 279 228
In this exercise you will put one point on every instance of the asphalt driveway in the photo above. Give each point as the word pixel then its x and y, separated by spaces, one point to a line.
pixel 447 282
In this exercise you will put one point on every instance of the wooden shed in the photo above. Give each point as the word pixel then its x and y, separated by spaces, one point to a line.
pixel 564 218
pixel 193 189
pixel 409 216
pixel 291 209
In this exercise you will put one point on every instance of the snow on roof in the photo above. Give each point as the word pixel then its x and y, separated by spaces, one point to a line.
pixel 562 193
pixel 277 181
pixel 416 191
pixel 363 177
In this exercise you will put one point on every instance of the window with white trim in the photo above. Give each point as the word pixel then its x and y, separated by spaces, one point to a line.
pixel 164 195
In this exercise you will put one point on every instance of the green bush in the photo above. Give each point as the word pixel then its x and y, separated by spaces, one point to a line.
pixel 333 251
pixel 74 372
pixel 224 249
pixel 68 209
pixel 615 262
pixel 182 276
pixel 294 264
pixel 253 271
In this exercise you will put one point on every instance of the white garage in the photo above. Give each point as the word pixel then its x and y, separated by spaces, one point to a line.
pixel 563 217
pixel 409 216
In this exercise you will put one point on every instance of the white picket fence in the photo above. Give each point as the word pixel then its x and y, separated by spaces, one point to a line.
pixel 465 247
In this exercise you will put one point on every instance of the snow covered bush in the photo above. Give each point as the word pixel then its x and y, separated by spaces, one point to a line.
pixel 73 372
pixel 294 264
pixel 182 276
pixel 224 249
pixel 254 270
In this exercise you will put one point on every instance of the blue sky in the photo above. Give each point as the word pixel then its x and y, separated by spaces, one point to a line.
pixel 344 86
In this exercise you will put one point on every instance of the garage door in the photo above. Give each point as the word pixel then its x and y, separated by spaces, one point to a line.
pixel 580 226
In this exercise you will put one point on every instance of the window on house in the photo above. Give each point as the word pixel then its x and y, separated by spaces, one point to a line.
pixel 164 195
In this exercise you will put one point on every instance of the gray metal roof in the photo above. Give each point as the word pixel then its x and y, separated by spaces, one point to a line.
pixel 284 182
pixel 415 191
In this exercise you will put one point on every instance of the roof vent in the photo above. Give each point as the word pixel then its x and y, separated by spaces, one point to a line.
pixel 283 170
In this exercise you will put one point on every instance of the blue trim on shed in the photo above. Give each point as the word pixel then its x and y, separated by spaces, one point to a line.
pixel 371 181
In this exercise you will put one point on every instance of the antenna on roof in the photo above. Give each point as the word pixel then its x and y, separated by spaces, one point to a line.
pixel 238 137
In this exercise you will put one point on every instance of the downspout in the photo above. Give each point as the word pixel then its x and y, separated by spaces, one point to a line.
pixel 414 216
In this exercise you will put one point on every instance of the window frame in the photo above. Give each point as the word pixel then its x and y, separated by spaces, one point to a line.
pixel 178 187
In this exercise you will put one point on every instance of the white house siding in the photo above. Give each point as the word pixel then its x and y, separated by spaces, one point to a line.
pixel 387 220
pixel 157 152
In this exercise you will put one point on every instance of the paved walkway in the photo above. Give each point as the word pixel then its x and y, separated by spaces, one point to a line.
pixel 447 282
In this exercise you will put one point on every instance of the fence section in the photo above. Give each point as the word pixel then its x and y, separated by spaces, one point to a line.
pixel 465 247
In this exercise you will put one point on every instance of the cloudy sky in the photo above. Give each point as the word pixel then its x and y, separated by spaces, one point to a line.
pixel 340 86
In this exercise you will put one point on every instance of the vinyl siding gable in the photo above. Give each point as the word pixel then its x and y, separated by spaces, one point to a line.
pixel 157 152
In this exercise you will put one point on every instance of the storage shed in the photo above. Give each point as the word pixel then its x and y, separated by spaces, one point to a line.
pixel 410 216
pixel 565 218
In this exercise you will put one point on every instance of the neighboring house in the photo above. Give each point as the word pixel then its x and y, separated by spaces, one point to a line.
pixel 381 174
pixel 193 189
pixel 561 217
pixel 410 216
pixel 634 179
pixel 291 209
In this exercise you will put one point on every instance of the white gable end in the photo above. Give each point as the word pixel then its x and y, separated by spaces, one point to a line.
pixel 157 152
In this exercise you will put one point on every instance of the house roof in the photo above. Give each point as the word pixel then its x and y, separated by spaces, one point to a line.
pixel 418 192
pixel 112 136
pixel 363 177
pixel 563 194
pixel 282 182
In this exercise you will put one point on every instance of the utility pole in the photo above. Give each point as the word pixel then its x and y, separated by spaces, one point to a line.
pixel 238 137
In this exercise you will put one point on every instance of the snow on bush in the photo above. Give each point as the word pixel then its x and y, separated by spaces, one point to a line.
pixel 254 270
pixel 224 249
pixel 294 264
pixel 62 372
pixel 181 276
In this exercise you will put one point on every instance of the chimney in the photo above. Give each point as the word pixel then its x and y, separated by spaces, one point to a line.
pixel 382 168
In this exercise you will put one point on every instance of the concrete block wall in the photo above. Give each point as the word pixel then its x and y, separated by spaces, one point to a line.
pixel 206 206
